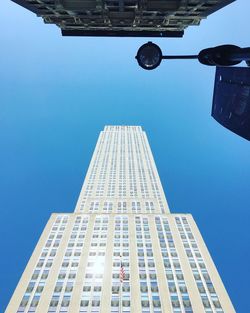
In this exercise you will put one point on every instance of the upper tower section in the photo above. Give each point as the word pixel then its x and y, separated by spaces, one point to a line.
pixel 122 176
pixel 145 18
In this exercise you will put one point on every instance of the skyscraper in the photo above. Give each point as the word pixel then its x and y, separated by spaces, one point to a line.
pixel 121 250
pixel 123 18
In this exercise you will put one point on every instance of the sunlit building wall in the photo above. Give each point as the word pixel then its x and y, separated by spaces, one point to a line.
pixel 121 217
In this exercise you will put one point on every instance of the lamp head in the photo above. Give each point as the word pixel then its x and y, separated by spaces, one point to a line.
pixel 149 56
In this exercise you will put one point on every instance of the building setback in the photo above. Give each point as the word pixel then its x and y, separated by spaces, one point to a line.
pixel 121 250
pixel 156 18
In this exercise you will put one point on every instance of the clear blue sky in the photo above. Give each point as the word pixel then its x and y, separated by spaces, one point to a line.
pixel 58 93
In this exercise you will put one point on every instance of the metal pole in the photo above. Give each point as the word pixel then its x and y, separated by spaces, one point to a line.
pixel 120 289
pixel 120 297
pixel 242 55
pixel 170 57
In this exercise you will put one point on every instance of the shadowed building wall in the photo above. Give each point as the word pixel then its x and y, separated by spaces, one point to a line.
pixel 156 18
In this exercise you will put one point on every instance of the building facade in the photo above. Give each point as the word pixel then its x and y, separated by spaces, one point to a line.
pixel 157 18
pixel 121 223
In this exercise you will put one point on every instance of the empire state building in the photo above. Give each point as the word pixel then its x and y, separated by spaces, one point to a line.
pixel 121 250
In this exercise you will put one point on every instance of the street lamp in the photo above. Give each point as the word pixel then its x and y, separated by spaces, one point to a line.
pixel 149 56
pixel 231 99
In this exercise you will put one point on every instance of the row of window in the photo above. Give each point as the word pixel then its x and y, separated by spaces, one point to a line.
pixel 204 284
pixel 40 274
pixel 147 275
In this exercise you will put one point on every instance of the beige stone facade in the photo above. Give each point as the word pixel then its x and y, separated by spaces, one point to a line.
pixel 76 264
